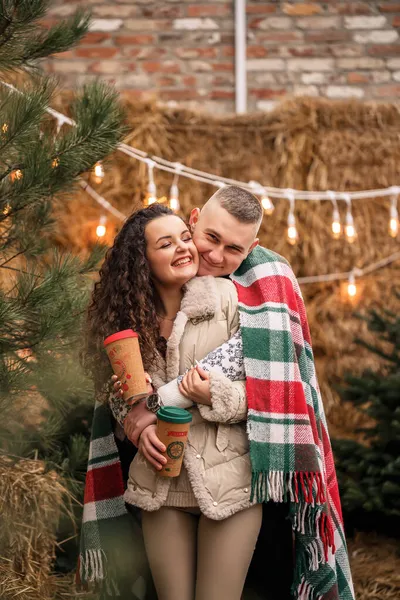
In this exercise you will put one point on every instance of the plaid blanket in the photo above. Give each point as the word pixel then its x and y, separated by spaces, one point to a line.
pixel 290 450
pixel 289 445
pixel 111 553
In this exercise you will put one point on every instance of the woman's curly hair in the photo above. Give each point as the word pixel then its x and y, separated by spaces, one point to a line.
pixel 124 297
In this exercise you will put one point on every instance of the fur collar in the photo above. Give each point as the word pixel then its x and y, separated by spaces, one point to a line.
pixel 199 303
pixel 200 298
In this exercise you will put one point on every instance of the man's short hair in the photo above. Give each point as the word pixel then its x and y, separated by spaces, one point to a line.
pixel 239 203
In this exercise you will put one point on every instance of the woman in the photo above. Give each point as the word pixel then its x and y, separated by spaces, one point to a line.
pixel 200 529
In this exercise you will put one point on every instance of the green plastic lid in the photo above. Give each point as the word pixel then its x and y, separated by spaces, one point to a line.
pixel 173 414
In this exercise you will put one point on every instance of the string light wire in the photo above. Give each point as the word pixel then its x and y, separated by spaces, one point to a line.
pixel 270 191
pixel 215 180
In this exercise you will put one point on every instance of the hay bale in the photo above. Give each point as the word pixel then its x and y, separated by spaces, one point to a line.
pixel 30 503
pixel 304 144
pixel 375 565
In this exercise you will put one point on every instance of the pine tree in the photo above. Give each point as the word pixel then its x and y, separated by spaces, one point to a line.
pixel 369 472
pixel 45 400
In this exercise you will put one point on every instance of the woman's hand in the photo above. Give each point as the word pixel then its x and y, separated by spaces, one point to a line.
pixel 151 447
pixel 117 386
pixel 196 386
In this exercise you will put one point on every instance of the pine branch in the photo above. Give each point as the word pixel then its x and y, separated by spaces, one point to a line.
pixel 393 357
pixel 59 38
pixel 22 41
pixel 369 474
pixel 44 297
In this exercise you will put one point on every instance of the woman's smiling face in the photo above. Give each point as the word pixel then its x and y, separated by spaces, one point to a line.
pixel 170 251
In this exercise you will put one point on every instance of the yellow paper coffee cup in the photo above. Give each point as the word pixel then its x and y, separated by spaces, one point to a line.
pixel 172 429
pixel 123 351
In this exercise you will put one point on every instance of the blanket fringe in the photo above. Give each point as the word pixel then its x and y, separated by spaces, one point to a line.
pixel 306 494
pixel 305 591
pixel 92 570
pixel 91 565
pixel 302 588
pixel 298 485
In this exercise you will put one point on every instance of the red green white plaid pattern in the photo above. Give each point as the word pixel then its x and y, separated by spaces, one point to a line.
pixel 106 534
pixel 290 449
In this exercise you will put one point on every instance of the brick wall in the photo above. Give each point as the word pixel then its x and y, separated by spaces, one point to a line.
pixel 183 51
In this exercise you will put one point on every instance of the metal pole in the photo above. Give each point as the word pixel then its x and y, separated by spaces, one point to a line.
pixel 240 56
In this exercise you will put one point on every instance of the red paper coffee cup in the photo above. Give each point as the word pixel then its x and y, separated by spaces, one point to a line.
pixel 123 351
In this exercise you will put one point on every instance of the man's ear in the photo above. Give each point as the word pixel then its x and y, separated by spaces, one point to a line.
pixel 194 217
pixel 254 244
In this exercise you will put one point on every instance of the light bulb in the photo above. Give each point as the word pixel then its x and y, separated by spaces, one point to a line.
pixel 6 209
pixel 349 229
pixel 267 205
pixel 351 286
pixel 151 194
pixel 4 128
pixel 350 233
pixel 394 220
pixel 174 203
pixel 336 225
pixel 16 175
pixel 393 227
pixel 101 227
pixel 336 229
pixel 292 233
pixel 98 171
pixel 55 163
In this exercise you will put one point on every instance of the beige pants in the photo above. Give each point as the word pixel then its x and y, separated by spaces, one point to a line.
pixel 194 558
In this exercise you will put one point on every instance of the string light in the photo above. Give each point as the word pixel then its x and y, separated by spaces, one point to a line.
pixel 16 175
pixel 101 227
pixel 328 277
pixel 55 163
pixel 151 187
pixel 98 172
pixel 292 233
pixel 7 209
pixel 210 178
pixel 266 202
pixel 351 286
pixel 4 128
pixel 336 226
pixel 174 203
pixel 205 177
pixel 349 228
pixel 394 218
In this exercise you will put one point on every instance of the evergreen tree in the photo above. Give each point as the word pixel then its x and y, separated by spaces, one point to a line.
pixel 369 472
pixel 45 400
